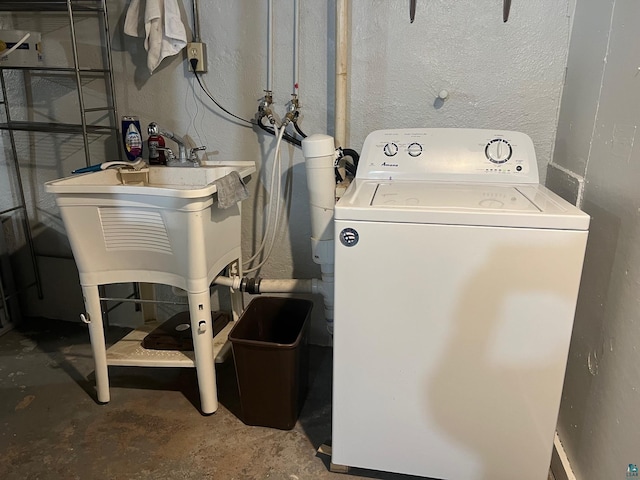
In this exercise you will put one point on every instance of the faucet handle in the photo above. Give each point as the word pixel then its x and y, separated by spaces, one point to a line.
pixel 193 156
pixel 169 153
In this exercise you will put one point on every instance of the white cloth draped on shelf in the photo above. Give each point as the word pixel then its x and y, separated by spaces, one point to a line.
pixel 159 22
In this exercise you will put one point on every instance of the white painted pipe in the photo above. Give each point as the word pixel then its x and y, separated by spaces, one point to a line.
pixel 324 287
pixel 342 53
pixel 233 282
pixel 296 45
pixel 270 46
pixel 265 285
pixel 288 286
pixel 319 154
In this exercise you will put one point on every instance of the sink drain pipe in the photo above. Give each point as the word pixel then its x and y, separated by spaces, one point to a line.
pixel 256 286
pixel 320 156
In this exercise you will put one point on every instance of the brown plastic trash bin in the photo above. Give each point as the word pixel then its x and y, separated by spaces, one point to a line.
pixel 271 358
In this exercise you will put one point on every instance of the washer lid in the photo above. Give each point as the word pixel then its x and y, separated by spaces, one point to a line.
pixel 530 206
pixel 452 197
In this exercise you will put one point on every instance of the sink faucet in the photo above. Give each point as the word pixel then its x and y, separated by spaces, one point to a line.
pixel 154 129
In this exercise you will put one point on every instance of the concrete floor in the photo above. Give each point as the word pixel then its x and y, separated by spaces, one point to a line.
pixel 52 428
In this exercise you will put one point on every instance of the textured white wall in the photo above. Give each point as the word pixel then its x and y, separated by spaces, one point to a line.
pixel 506 76
pixel 499 75
pixel 600 113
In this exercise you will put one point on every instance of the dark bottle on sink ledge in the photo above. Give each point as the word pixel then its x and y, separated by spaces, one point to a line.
pixel 156 150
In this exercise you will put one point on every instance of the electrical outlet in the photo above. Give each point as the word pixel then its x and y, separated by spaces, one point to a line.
pixel 197 50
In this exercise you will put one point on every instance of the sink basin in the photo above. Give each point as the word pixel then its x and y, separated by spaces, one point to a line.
pixel 161 226
pixel 181 182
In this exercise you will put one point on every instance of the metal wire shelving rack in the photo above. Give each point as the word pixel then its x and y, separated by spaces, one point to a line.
pixel 84 128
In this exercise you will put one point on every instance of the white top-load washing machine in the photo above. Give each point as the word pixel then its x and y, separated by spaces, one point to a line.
pixel 456 278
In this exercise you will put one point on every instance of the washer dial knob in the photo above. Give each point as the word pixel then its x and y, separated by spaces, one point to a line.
pixel 414 149
pixel 498 150
pixel 390 149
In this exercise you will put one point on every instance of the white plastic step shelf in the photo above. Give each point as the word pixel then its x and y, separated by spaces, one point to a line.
pixel 129 352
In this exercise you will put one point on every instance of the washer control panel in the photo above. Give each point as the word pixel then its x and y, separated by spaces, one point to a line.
pixel 449 154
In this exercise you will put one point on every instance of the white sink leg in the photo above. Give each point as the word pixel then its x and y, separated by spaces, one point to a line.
pixel 202 331
pixel 96 335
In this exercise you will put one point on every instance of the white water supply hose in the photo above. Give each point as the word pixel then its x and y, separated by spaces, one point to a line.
pixel 16 46
pixel 276 226
pixel 269 211
pixel 274 186
pixel 276 182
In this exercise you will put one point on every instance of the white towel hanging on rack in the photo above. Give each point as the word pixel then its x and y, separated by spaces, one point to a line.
pixel 164 33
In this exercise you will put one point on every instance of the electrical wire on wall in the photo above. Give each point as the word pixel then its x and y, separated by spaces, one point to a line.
pixel 194 64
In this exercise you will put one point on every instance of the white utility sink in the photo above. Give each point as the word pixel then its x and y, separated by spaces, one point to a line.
pixel 158 225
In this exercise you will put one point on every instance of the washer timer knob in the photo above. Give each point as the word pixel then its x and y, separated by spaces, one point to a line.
pixel 390 149
pixel 498 150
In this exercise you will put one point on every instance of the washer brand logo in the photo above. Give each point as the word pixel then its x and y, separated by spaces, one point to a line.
pixel 385 164
pixel 632 471
pixel 349 237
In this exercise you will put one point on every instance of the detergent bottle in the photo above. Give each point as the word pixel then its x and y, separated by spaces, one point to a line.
pixel 132 137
